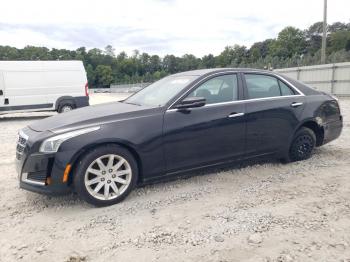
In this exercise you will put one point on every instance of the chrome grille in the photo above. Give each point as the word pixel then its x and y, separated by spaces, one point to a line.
pixel 21 144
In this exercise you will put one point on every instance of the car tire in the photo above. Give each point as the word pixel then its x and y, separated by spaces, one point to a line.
pixel 65 107
pixel 302 146
pixel 107 187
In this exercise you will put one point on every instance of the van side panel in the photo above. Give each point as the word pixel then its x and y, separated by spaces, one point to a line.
pixel 65 83
pixel 25 90
pixel 40 85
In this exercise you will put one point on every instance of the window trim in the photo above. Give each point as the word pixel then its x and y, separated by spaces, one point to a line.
pixel 239 102
pixel 241 87
pixel 277 77
pixel 279 85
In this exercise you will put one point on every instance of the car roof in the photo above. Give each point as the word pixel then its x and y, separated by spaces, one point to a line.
pixel 202 72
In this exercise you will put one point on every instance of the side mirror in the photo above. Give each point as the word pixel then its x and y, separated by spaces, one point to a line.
pixel 191 102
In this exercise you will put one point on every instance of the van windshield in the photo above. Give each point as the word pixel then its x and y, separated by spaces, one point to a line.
pixel 161 92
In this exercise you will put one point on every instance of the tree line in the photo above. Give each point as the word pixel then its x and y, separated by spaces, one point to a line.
pixel 292 47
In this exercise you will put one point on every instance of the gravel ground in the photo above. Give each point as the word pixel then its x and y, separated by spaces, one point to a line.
pixel 264 211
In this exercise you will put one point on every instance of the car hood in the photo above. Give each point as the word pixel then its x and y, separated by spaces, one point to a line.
pixel 91 116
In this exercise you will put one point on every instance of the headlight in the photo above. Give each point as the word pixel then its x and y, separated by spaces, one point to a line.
pixel 52 144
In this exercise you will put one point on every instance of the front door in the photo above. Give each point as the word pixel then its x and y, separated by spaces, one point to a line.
pixel 209 134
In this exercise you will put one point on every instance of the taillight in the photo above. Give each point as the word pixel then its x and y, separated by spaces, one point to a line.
pixel 87 89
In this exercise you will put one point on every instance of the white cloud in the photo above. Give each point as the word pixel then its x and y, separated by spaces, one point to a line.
pixel 157 26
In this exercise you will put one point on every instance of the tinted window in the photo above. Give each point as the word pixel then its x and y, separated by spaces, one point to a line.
pixel 218 89
pixel 260 86
pixel 285 90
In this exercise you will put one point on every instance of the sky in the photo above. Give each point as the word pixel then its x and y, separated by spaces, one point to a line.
pixel 160 27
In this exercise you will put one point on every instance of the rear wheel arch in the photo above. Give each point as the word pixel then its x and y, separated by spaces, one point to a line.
pixel 316 128
pixel 312 126
pixel 80 154
pixel 64 100
pixel 302 145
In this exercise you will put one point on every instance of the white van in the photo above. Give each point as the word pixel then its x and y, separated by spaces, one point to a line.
pixel 42 86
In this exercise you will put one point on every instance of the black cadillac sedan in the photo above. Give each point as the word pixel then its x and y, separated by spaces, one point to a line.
pixel 183 122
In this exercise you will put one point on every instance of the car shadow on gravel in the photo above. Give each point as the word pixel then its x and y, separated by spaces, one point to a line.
pixel 72 200
pixel 217 169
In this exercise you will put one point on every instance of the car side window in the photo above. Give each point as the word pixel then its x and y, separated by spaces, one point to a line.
pixel 285 90
pixel 218 89
pixel 261 86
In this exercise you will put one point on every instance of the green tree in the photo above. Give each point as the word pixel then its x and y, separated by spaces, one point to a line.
pixel 290 41
pixel 91 75
pixel 104 75
pixel 109 50
pixel 313 36
pixel 9 53
pixel 339 40
pixel 208 61
pixel 154 63
pixel 170 64
pixel 338 26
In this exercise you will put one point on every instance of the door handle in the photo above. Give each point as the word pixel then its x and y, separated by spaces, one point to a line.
pixel 235 114
pixel 296 104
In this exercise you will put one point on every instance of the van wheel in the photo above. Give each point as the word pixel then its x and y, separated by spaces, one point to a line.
pixel 105 175
pixel 65 107
pixel 302 146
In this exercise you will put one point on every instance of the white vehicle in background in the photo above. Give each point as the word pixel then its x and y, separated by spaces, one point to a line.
pixel 42 86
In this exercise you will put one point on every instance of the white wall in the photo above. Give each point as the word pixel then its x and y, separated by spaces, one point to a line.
pixel 331 78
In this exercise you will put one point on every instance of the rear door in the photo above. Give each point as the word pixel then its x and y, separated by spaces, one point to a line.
pixel 273 108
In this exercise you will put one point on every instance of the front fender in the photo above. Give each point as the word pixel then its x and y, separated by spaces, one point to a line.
pixel 142 137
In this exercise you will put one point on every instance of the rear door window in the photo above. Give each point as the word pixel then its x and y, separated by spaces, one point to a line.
pixel 285 90
pixel 261 86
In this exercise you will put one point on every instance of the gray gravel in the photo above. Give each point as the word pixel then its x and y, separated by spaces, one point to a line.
pixel 261 212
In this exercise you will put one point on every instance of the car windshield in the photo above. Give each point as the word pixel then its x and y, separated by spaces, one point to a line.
pixel 160 92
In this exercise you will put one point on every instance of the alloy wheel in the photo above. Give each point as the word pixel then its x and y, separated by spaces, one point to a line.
pixel 107 177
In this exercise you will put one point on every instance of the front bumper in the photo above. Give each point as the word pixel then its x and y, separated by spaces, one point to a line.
pixel 39 172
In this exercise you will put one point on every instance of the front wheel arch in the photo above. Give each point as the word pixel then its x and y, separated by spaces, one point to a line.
pixel 103 178
pixel 80 154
